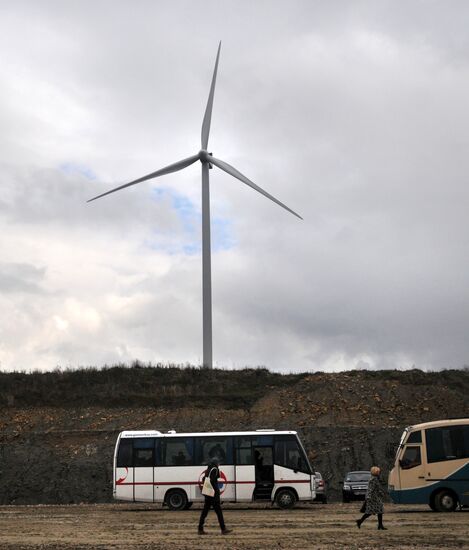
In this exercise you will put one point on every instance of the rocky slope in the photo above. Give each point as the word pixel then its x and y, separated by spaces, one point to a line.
pixel 58 430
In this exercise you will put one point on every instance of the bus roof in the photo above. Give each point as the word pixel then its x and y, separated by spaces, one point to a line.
pixel 439 424
pixel 173 433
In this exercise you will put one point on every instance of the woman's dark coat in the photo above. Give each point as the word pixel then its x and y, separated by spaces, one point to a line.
pixel 374 497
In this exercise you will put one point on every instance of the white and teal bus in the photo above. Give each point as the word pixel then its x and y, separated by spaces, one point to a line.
pixel 432 465
pixel 167 468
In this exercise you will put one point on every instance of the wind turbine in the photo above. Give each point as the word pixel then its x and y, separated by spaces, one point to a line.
pixel 208 161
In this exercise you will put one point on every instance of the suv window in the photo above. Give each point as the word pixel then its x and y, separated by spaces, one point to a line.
pixel 358 476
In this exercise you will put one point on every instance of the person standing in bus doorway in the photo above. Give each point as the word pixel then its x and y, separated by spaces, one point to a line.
pixel 213 473
pixel 374 499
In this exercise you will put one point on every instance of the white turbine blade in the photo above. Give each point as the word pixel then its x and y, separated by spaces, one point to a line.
pixel 180 165
pixel 208 109
pixel 235 173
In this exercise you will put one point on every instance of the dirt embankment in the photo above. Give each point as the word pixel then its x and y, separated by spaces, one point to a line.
pixel 57 431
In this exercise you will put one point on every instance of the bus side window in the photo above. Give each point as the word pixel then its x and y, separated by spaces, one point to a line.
pixel 411 458
pixel 243 450
pixel 465 435
pixel 124 453
pixel 158 452
pixel 144 450
pixel 143 458
pixel 215 447
pixel 447 443
pixel 279 452
pixel 178 451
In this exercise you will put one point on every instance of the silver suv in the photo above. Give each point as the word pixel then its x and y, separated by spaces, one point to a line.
pixel 320 488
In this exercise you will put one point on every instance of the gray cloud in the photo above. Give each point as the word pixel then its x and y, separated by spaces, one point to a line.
pixel 23 278
pixel 352 113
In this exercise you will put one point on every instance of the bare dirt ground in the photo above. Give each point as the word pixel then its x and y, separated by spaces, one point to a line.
pixel 122 526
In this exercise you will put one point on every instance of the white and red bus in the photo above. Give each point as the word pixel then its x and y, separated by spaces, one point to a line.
pixel 261 465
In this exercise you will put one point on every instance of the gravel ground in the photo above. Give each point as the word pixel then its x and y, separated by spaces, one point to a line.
pixel 128 526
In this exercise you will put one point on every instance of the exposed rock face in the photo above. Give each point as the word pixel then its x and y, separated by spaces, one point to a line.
pixel 57 447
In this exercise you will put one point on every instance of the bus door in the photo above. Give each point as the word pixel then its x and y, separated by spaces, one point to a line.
pixel 144 461
pixel 264 472
pixel 411 468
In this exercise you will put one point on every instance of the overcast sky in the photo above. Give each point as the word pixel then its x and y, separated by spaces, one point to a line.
pixel 353 113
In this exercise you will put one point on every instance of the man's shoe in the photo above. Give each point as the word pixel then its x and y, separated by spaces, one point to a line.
pixel 382 528
pixel 202 532
pixel 359 523
pixel 226 531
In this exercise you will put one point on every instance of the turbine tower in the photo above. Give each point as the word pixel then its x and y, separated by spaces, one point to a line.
pixel 207 160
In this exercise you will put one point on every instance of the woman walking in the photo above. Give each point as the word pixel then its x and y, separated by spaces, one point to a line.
pixel 213 473
pixel 374 499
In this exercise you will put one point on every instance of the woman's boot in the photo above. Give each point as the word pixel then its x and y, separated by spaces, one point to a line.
pixel 381 527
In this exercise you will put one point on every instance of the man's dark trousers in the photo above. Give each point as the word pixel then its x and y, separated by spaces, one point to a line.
pixel 212 502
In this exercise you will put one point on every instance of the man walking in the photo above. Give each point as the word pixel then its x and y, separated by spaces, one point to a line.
pixel 213 473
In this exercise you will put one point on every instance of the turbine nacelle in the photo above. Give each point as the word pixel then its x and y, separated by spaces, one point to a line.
pixel 205 156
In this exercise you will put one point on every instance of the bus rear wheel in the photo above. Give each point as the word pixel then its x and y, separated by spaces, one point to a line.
pixel 445 501
pixel 285 498
pixel 176 499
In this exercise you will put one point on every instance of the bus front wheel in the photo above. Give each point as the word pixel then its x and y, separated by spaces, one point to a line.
pixel 176 499
pixel 285 498
pixel 445 501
